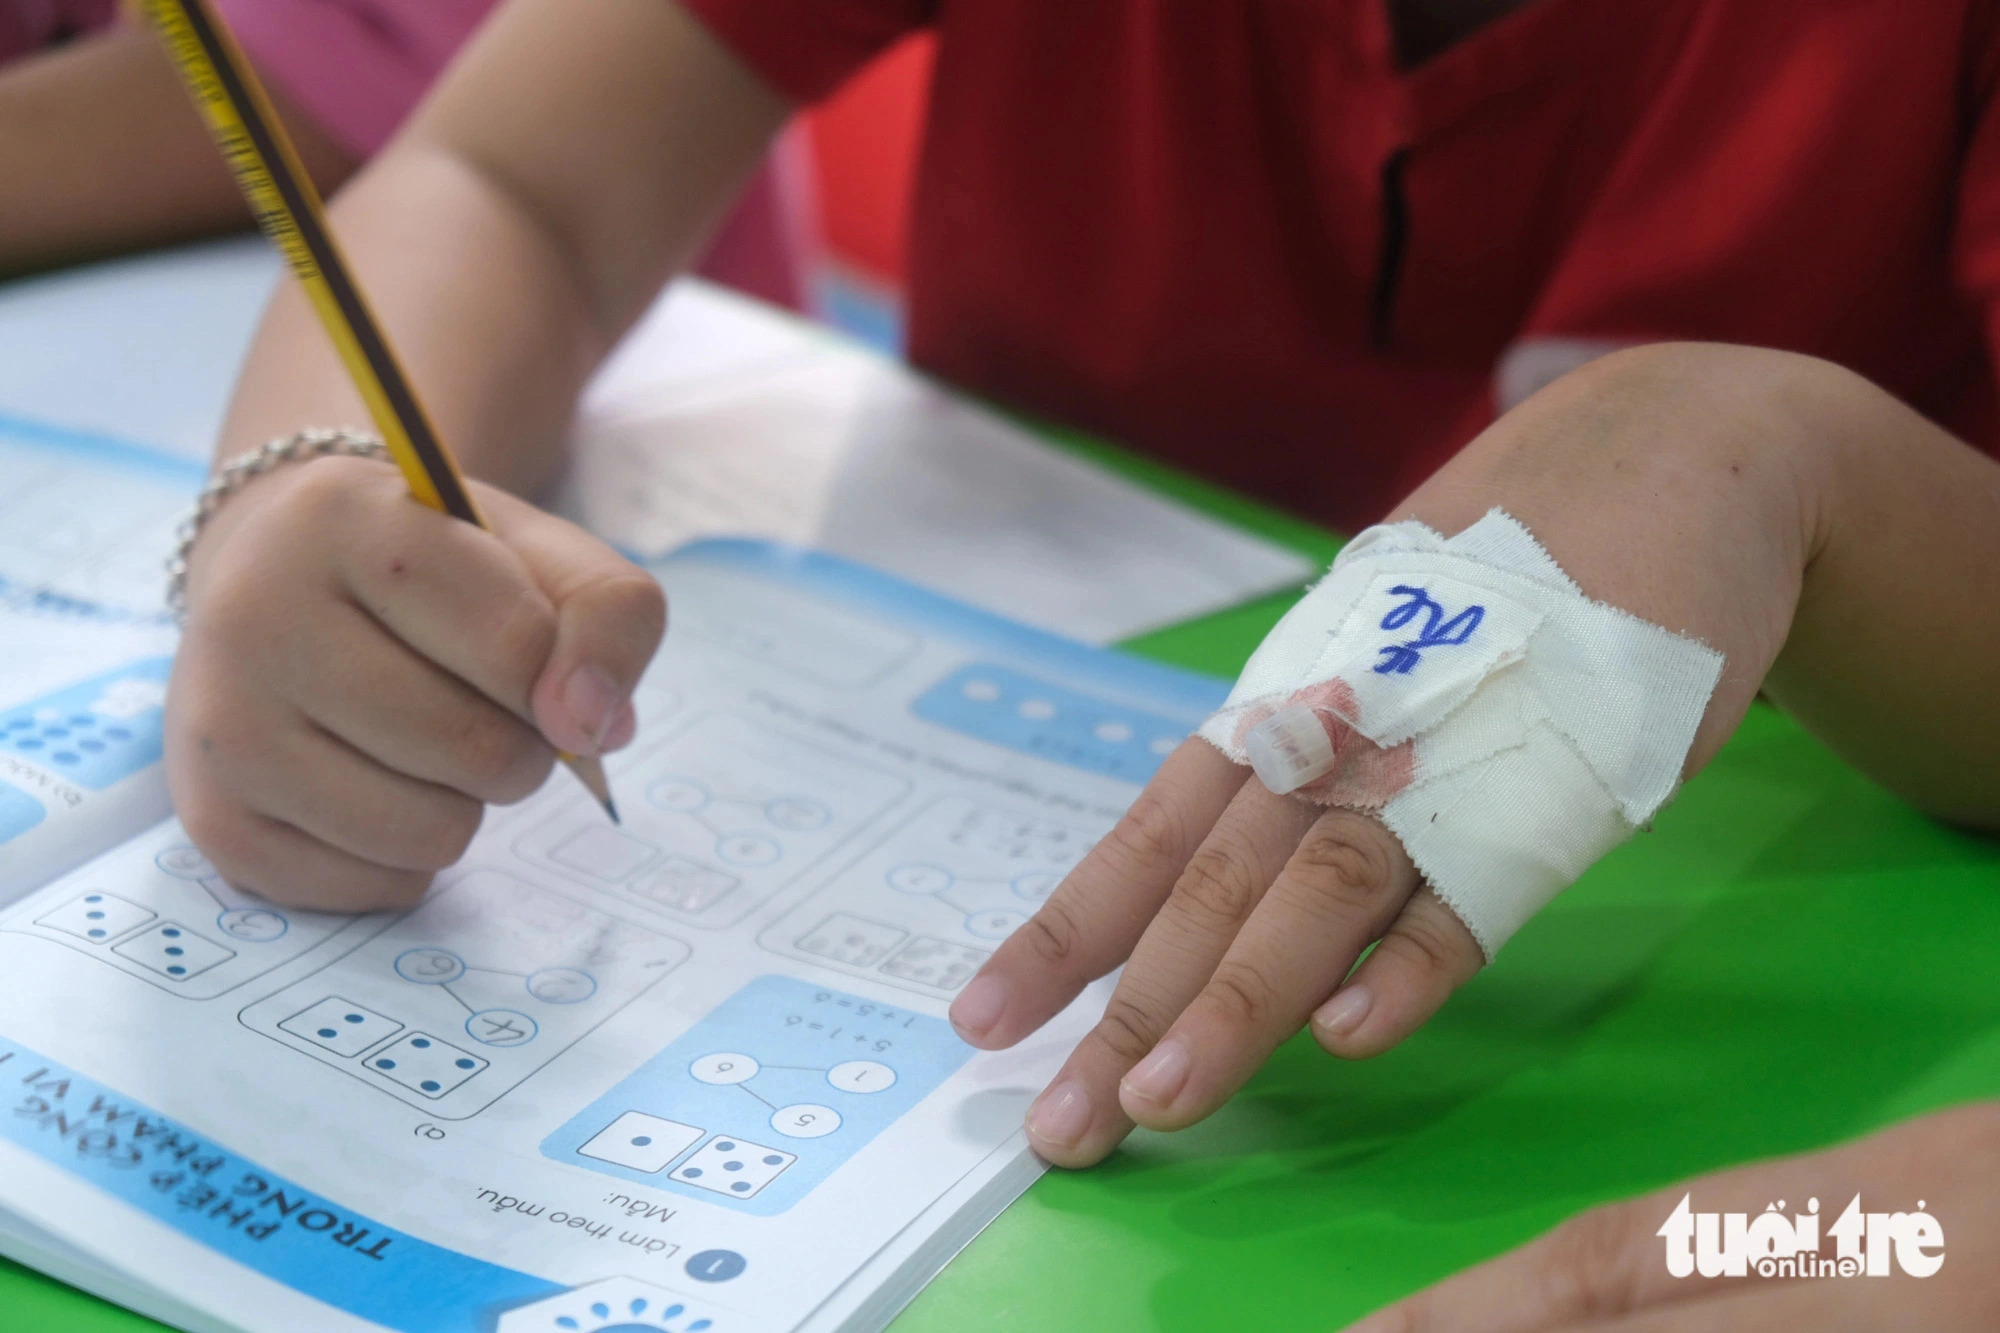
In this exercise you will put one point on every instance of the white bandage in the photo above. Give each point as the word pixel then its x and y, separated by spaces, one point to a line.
pixel 1507 728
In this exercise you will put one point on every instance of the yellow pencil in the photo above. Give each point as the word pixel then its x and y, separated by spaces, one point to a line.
pixel 230 99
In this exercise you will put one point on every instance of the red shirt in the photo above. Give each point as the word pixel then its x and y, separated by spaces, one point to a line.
pixel 1236 234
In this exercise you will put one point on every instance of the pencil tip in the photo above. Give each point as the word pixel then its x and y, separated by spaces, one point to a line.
pixel 590 771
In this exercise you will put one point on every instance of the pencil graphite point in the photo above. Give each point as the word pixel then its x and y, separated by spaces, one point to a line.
pixel 590 772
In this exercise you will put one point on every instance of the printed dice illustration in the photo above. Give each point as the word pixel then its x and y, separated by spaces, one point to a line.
pixel 735 1167
pixel 641 1142
pixel 851 940
pixel 426 1064
pixel 174 951
pixel 935 962
pixel 688 885
pixel 341 1026
pixel 97 917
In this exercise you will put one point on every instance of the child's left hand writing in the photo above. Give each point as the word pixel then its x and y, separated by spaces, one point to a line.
pixel 360 676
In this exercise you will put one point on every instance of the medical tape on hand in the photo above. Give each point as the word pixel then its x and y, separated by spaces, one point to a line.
pixel 1507 728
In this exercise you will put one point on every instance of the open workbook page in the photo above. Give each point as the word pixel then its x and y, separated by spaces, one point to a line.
pixel 688 1072
pixel 85 643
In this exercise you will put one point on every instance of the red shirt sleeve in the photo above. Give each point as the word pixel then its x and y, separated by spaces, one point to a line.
pixel 807 48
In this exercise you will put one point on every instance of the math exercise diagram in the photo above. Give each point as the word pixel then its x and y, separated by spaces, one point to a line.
pixel 717 818
pixel 182 927
pixel 765 1097
pixel 455 1004
pixel 924 909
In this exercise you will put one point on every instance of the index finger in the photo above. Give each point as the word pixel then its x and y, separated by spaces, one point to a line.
pixel 1097 914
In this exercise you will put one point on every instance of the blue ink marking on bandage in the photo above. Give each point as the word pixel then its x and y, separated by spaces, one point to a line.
pixel 1437 631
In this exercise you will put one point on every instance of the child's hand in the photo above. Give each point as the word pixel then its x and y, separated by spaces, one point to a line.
pixel 1755 500
pixel 360 675
pixel 1240 913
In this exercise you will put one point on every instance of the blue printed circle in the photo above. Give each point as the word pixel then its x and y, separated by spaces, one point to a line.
pixel 501 1027
pixel 716 1266
pixel 561 985
pixel 428 966
pixel 255 925
pixel 184 863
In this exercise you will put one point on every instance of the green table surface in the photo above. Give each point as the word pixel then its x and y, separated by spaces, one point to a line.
pixel 1790 958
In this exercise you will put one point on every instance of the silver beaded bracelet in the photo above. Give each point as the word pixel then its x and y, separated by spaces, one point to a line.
pixel 238 473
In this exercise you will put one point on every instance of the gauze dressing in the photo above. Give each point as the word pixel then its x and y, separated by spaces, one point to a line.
pixel 1507 728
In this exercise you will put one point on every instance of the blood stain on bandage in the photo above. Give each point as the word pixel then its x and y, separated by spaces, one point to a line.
pixel 1365 776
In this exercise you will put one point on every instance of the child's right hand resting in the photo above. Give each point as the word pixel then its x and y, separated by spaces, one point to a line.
pixel 362 675
pixel 1831 543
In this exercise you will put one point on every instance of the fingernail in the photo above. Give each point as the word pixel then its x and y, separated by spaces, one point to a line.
pixel 1061 1116
pixel 623 728
pixel 1158 1077
pixel 592 700
pixel 978 1006
pixel 1344 1012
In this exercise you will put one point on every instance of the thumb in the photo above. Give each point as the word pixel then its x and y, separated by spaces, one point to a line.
pixel 610 615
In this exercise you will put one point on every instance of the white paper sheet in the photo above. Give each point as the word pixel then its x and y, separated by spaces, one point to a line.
pixel 718 415
pixel 713 399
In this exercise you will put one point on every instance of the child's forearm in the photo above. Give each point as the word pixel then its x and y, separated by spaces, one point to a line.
pixel 1895 647
pixel 101 152
pixel 481 312
pixel 569 163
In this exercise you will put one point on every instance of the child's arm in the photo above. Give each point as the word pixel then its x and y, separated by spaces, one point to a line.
pixel 1841 551
pixel 101 152
pixel 569 162
pixel 360 674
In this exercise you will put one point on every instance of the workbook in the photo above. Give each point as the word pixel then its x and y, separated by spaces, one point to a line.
pixel 687 1072
pixel 85 643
